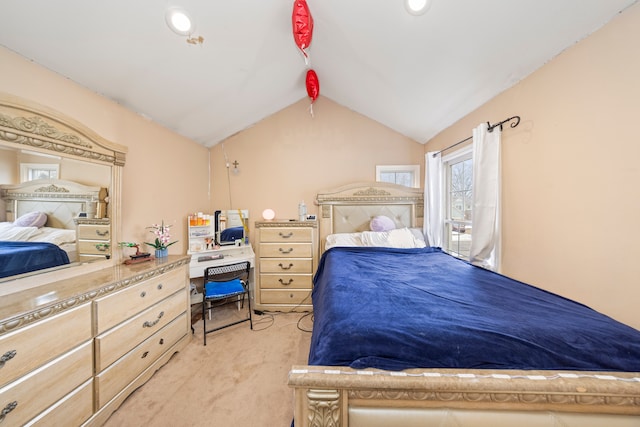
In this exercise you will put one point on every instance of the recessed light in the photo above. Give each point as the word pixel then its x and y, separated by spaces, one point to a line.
pixel 417 7
pixel 179 21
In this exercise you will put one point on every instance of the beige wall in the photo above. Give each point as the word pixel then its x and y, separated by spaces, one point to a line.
pixel 165 176
pixel 571 171
pixel 290 156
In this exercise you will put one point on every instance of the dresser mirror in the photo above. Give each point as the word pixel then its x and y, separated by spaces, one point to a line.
pixel 38 144
pixel 231 225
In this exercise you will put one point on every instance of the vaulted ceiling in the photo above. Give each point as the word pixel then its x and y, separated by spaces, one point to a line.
pixel 415 74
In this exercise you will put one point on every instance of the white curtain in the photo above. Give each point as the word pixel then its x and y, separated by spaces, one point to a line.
pixel 433 221
pixel 485 244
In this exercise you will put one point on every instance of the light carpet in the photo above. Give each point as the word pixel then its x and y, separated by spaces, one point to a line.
pixel 238 379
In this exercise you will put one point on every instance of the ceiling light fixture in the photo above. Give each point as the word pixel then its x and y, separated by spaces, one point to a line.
pixel 182 24
pixel 417 7
pixel 179 21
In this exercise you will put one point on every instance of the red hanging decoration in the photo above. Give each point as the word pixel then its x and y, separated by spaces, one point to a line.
pixel 313 85
pixel 313 88
pixel 302 26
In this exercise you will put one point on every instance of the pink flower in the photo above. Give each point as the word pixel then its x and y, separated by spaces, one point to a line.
pixel 162 233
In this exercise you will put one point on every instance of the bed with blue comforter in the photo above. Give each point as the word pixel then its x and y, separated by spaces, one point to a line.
pixel 25 257
pixel 396 309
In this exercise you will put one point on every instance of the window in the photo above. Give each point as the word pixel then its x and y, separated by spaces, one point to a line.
pixel 407 175
pixel 458 222
pixel 32 171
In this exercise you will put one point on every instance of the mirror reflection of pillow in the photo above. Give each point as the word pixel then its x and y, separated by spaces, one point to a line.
pixel 57 236
pixel 381 223
pixel 32 219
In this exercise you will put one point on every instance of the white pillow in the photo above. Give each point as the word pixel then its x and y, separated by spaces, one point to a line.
pixel 343 239
pixel 398 238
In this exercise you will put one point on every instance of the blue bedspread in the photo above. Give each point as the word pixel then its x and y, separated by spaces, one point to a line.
pixel 396 309
pixel 24 257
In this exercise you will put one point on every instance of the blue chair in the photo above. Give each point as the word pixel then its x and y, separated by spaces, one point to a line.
pixel 223 285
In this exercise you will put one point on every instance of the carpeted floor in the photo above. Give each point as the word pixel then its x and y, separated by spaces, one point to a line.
pixel 239 379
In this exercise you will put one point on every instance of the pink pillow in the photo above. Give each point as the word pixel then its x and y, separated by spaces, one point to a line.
pixel 32 219
pixel 382 223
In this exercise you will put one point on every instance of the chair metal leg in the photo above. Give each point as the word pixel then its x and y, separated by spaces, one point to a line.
pixel 204 320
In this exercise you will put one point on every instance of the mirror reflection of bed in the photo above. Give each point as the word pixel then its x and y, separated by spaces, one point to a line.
pixel 39 227
pixel 37 143
pixel 231 225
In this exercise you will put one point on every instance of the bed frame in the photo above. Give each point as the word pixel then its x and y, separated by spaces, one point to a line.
pixel 327 396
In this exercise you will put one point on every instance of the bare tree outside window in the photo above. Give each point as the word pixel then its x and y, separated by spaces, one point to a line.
pixel 459 215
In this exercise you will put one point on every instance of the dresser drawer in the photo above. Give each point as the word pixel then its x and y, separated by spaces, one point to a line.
pixel 114 343
pixel 41 388
pixel 285 234
pixel 94 232
pixel 112 380
pixel 285 250
pixel 292 296
pixel 113 309
pixel 286 281
pixel 72 410
pixel 286 265
pixel 93 247
pixel 32 346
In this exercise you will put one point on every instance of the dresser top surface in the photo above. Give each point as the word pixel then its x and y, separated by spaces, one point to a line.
pixel 19 307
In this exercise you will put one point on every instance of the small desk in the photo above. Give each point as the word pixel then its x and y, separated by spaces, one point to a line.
pixel 231 254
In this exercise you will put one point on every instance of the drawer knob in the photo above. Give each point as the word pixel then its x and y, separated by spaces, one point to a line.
pixel 286 284
pixel 161 341
pixel 145 354
pixel 143 294
pixel 151 324
pixel 159 286
pixel 5 411
pixel 102 233
pixel 286 236
pixel 290 295
pixel 285 268
pixel 7 356
pixel 102 247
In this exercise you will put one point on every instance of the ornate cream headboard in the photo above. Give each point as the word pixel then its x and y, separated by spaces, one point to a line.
pixel 350 208
pixel 61 200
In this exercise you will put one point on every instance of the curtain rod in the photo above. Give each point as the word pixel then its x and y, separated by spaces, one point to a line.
pixel 490 128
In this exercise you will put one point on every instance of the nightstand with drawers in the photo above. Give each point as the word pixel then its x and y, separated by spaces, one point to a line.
pixel 287 258
pixel 93 238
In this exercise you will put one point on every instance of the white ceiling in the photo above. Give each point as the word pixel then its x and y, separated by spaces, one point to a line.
pixel 415 74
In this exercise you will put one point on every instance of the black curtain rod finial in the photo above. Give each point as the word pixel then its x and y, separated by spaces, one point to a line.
pixel 490 128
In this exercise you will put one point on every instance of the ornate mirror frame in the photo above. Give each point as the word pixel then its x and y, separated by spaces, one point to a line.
pixel 26 125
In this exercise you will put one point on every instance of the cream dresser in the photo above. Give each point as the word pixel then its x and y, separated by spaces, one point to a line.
pixel 287 254
pixel 72 350
pixel 93 238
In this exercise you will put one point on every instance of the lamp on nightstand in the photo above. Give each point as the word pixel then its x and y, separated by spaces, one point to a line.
pixel 268 214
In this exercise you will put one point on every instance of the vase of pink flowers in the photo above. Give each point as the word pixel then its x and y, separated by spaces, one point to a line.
pixel 162 239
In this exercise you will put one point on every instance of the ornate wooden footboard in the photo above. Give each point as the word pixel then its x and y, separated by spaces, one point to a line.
pixel 344 397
